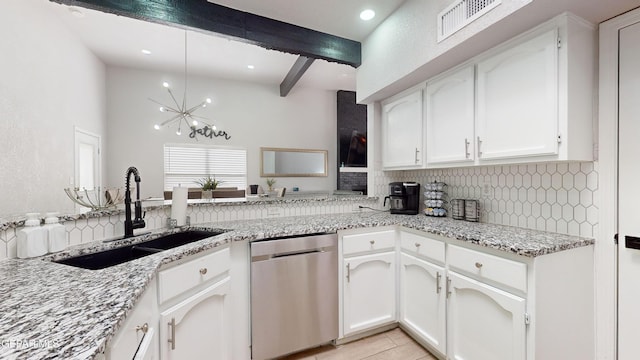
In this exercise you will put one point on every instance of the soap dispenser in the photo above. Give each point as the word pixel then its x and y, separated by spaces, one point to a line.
pixel 56 233
pixel 32 239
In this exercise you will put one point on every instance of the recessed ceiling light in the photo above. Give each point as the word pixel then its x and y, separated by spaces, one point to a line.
pixel 146 52
pixel 367 14
pixel 76 12
pixel 251 67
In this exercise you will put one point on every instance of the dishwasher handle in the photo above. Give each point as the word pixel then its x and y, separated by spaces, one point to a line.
pixel 307 252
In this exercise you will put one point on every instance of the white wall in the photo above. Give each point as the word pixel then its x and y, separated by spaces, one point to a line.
pixel 254 115
pixel 404 51
pixel 49 84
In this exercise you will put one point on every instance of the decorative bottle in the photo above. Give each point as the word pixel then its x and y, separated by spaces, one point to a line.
pixel 56 233
pixel 32 239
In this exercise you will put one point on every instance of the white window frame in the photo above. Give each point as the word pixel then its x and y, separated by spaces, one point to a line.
pixel 181 173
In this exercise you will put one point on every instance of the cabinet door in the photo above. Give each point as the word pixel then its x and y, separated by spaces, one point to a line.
pixel 402 132
pixel 422 300
pixel 137 337
pixel 449 109
pixel 518 100
pixel 147 349
pixel 197 327
pixel 484 323
pixel 369 294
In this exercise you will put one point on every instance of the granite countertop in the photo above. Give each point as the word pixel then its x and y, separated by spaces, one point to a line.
pixel 52 311
pixel 159 203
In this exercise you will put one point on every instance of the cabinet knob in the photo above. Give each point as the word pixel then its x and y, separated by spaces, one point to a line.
pixel 417 245
pixel 144 328
pixel 372 242
pixel 203 271
pixel 478 265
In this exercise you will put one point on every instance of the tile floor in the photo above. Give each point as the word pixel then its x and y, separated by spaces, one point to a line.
pixel 390 345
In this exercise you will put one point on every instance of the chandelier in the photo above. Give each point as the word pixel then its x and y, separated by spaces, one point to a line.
pixel 181 113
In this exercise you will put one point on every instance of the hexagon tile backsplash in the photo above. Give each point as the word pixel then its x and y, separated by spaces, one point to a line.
pixel 556 197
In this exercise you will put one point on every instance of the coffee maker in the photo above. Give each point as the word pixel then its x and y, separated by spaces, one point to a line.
pixel 404 197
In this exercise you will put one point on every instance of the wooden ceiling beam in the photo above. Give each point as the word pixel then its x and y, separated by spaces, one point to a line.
pixel 234 24
pixel 297 70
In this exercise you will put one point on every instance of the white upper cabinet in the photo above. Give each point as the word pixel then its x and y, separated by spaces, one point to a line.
pixel 402 132
pixel 535 95
pixel 517 100
pixel 449 113
pixel 529 99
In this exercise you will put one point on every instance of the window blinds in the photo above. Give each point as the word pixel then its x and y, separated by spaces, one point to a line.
pixel 185 165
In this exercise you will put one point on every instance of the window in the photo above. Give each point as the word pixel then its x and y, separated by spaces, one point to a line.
pixel 184 165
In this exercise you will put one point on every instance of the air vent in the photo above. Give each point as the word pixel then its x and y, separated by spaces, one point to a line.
pixel 460 13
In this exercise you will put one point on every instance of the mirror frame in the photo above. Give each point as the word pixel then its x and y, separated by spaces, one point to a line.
pixel 325 154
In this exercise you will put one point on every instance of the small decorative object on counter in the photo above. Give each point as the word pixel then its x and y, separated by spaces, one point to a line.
pixel 472 210
pixel 270 183
pixel 457 209
pixel 435 199
pixel 32 239
pixel 95 199
pixel 462 209
pixel 56 233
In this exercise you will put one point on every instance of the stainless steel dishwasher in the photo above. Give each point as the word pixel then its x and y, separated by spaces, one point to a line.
pixel 294 294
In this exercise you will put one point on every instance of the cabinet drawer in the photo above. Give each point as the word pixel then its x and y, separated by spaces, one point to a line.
pixel 181 278
pixel 488 267
pixel 372 241
pixel 422 246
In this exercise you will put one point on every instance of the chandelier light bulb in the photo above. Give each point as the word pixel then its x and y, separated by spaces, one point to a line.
pixel 214 127
pixel 178 132
pixel 162 109
pixel 156 126
pixel 208 101
pixel 195 122
pixel 165 84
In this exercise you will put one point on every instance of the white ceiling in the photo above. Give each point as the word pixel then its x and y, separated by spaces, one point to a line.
pixel 118 41
pixel 335 17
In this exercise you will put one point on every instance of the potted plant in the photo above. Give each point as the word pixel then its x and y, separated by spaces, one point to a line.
pixel 208 184
pixel 270 183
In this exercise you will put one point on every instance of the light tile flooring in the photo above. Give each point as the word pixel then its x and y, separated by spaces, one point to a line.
pixel 390 345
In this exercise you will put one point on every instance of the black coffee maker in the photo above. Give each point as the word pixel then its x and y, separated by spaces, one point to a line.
pixel 404 197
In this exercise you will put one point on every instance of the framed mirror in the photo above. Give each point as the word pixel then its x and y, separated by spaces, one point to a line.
pixel 281 162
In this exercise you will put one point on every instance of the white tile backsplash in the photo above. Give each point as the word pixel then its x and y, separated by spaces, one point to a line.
pixel 92 229
pixel 549 197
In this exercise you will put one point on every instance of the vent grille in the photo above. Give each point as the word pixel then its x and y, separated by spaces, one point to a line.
pixel 461 13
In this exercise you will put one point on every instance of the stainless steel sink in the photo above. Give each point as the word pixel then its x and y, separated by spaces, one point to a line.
pixel 119 255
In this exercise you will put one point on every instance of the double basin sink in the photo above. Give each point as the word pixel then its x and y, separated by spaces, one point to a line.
pixel 119 255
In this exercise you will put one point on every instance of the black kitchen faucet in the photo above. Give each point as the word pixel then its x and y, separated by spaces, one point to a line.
pixel 138 222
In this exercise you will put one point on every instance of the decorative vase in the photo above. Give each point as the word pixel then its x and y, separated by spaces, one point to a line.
pixel 207 194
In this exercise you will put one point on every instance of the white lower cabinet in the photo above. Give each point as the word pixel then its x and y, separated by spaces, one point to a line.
pixel 184 315
pixel 194 307
pixel 466 302
pixel 197 327
pixel 369 291
pixel 137 338
pixel 423 300
pixel 484 323
pixel 368 280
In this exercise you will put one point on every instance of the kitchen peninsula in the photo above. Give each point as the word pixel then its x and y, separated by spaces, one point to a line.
pixel 52 310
